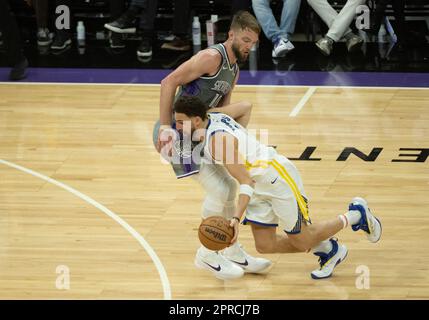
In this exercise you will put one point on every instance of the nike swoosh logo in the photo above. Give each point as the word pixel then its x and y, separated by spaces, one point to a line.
pixel 272 182
pixel 218 268
pixel 245 263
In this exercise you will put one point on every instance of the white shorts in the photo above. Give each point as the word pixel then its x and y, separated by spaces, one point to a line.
pixel 279 197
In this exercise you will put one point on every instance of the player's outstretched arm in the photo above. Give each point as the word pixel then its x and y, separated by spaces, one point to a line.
pixel 205 62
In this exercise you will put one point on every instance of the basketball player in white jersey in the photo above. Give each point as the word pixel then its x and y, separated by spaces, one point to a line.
pixel 271 190
pixel 211 76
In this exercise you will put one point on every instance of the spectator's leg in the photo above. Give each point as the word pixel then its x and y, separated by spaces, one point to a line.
pixel 289 15
pixel 12 41
pixel 238 5
pixel 398 7
pixel 266 19
pixel 10 33
pixel 116 8
pixel 147 22
pixel 378 15
pixel 181 20
pixel 341 24
pixel 41 8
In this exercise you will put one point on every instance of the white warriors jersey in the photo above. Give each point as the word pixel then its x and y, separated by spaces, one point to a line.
pixel 255 155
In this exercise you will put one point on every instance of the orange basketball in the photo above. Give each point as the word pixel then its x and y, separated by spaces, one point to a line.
pixel 215 233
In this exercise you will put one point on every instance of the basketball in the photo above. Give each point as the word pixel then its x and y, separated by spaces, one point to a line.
pixel 215 233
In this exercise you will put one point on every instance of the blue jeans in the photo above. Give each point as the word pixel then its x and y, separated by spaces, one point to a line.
pixel 269 25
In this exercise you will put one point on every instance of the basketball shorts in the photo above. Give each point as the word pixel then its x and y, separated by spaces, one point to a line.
pixel 279 197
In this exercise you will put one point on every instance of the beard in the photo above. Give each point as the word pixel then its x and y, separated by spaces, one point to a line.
pixel 240 56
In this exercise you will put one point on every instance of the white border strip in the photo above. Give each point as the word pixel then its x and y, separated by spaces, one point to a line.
pixel 238 85
pixel 302 102
pixel 111 214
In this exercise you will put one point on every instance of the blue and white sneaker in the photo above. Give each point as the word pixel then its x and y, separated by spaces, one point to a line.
pixel 368 222
pixel 328 261
pixel 281 48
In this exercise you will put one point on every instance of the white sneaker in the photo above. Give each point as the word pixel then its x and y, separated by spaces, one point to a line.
pixel 368 222
pixel 241 258
pixel 281 48
pixel 328 261
pixel 216 263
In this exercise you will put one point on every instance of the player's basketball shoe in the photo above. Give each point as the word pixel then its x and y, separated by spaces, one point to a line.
pixel 216 263
pixel 241 258
pixel 328 261
pixel 368 222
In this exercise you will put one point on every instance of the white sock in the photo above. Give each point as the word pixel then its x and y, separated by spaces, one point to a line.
pixel 353 216
pixel 324 246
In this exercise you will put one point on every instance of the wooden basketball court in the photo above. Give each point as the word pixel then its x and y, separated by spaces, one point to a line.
pixel 111 208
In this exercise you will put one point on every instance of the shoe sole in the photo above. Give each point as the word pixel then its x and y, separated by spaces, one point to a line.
pixel 313 276
pixel 65 45
pixel 44 43
pixel 118 30
pixel 217 275
pixel 144 54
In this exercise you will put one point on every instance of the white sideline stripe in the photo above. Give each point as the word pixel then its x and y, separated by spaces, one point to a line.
pixel 238 85
pixel 111 214
pixel 302 102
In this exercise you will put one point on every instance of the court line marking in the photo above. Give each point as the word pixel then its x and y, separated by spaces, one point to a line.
pixel 238 85
pixel 302 102
pixel 111 214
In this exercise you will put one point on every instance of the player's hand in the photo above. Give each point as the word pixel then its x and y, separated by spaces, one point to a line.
pixel 235 224
pixel 164 143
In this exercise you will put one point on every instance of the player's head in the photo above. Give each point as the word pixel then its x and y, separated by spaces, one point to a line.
pixel 191 109
pixel 244 33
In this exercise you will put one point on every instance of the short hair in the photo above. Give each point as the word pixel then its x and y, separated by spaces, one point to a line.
pixel 191 106
pixel 245 20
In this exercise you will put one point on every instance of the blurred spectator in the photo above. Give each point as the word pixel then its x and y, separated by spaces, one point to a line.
pixel 279 35
pixel 41 9
pixel 12 42
pixel 338 24
pixel 126 23
pixel 398 8
pixel 181 24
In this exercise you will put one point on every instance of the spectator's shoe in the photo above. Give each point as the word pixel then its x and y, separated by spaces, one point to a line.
pixel 116 41
pixel 353 42
pixel 177 45
pixel 145 49
pixel 61 41
pixel 18 72
pixel 216 263
pixel 368 223
pixel 328 261
pixel 43 37
pixel 124 24
pixel 241 258
pixel 325 46
pixel 281 48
